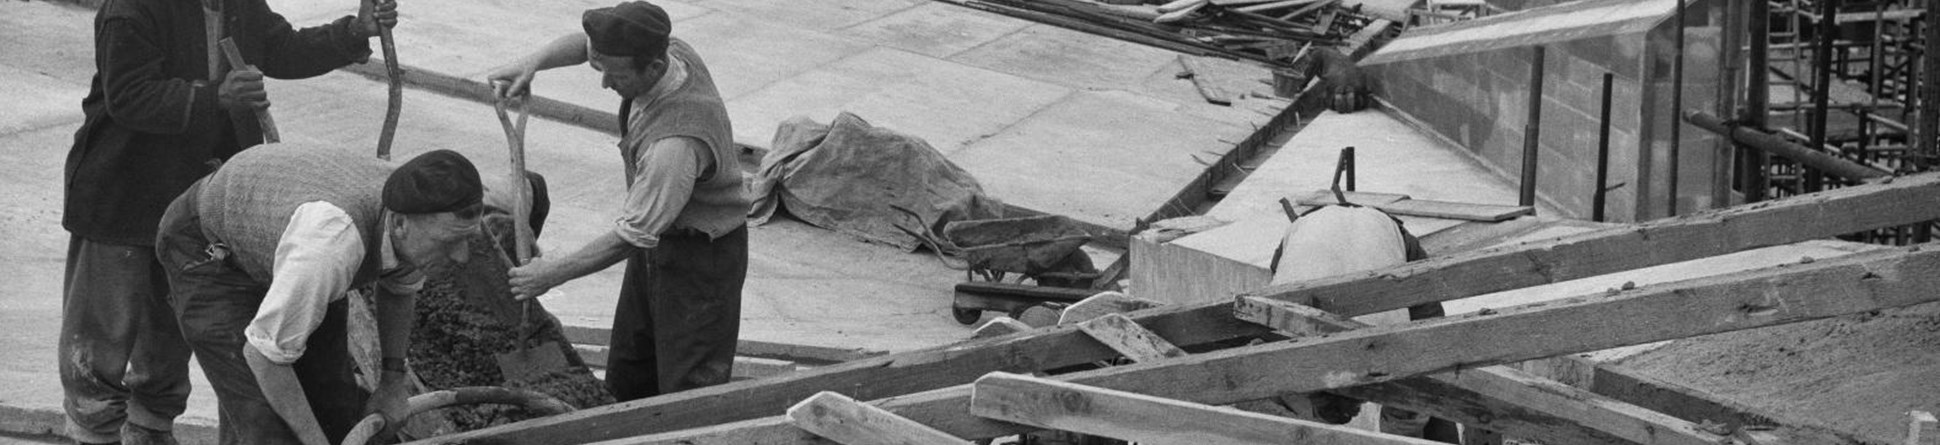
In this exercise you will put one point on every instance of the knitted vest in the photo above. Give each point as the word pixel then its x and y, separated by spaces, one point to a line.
pixel 719 204
pixel 248 202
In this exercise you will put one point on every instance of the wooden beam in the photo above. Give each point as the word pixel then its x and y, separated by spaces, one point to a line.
pixel 846 421
pixel 1102 304
pixel 1052 404
pixel 1765 297
pixel 1125 336
pixel 1000 326
pixel 1922 429
pixel 1493 397
pixel 1906 200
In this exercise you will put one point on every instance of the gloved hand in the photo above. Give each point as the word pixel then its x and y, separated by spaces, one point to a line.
pixel 242 89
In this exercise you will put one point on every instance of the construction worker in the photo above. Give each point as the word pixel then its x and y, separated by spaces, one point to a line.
pixel 156 119
pixel 260 253
pixel 682 228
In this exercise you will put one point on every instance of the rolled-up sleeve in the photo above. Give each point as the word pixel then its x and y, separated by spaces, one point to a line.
pixel 661 187
pixel 316 259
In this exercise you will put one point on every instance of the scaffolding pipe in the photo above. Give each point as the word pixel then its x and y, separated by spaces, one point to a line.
pixel 1929 87
pixel 1757 96
pixel 1774 144
pixel 1677 103
pixel 1929 109
pixel 1531 129
pixel 1822 84
pixel 1731 76
pixel 1602 194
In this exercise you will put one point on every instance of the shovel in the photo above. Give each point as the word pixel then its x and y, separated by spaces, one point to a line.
pixel 523 363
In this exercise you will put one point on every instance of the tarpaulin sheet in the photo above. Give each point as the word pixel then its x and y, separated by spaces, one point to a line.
pixel 873 183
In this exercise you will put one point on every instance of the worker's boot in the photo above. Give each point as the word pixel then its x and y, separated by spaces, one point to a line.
pixel 132 434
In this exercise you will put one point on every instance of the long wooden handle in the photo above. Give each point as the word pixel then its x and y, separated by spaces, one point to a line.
pixel 521 188
pixel 394 106
pixel 262 115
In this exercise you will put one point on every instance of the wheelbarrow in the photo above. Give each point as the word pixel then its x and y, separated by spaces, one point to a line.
pixel 1042 248
pixel 372 425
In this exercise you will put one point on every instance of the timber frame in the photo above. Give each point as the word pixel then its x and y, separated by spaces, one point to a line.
pixel 1445 367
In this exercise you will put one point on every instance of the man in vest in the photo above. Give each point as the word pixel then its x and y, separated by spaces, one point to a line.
pixel 159 113
pixel 682 228
pixel 260 253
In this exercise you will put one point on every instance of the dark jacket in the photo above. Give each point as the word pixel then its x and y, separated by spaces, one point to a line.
pixel 153 123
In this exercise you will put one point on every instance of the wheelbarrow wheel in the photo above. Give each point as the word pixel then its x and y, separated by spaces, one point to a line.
pixel 374 424
pixel 966 316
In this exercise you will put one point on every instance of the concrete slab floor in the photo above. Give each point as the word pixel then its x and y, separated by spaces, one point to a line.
pixel 902 91
pixel 1050 162
pixel 967 75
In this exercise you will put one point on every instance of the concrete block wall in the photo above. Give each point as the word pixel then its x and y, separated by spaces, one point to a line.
pixel 1480 100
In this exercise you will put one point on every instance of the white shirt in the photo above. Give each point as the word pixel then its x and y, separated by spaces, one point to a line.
pixel 317 257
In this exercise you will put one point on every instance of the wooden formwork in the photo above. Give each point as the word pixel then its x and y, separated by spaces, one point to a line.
pixel 1444 367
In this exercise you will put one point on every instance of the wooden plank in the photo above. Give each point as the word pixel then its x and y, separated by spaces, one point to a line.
pixel 1181 275
pixel 1765 297
pixel 1455 210
pixel 744 367
pixel 1000 326
pixel 1127 337
pixel 1052 404
pixel 844 420
pixel 1493 397
pixel 1922 428
pixel 1906 200
pixel 808 354
pixel 1326 197
pixel 1202 80
pixel 1273 5
pixel 1101 305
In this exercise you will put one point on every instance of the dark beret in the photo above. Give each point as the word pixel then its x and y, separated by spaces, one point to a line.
pixel 435 182
pixel 631 29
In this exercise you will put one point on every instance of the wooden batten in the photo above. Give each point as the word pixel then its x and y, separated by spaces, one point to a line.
pixel 1125 336
pixel 848 422
pixel 1051 404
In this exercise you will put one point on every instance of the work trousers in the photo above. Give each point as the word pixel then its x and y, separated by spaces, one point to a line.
pixel 122 359
pixel 213 301
pixel 679 315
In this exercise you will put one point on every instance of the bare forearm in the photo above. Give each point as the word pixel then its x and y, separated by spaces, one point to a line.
pixel 285 395
pixel 603 252
pixel 395 315
pixel 567 50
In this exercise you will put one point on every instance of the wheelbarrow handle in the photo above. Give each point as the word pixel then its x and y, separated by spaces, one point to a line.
pixel 368 428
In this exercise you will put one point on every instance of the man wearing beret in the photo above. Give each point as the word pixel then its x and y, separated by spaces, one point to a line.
pixel 260 253
pixel 159 113
pixel 682 229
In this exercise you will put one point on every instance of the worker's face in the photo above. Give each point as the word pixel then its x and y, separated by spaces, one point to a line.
pixel 628 76
pixel 435 240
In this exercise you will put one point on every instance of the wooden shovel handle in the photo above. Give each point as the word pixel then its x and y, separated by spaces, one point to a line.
pixel 521 187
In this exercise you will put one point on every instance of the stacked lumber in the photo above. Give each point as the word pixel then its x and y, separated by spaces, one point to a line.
pixel 1445 367
pixel 1272 32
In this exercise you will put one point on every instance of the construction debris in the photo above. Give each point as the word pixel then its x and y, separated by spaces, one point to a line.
pixel 1267 32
